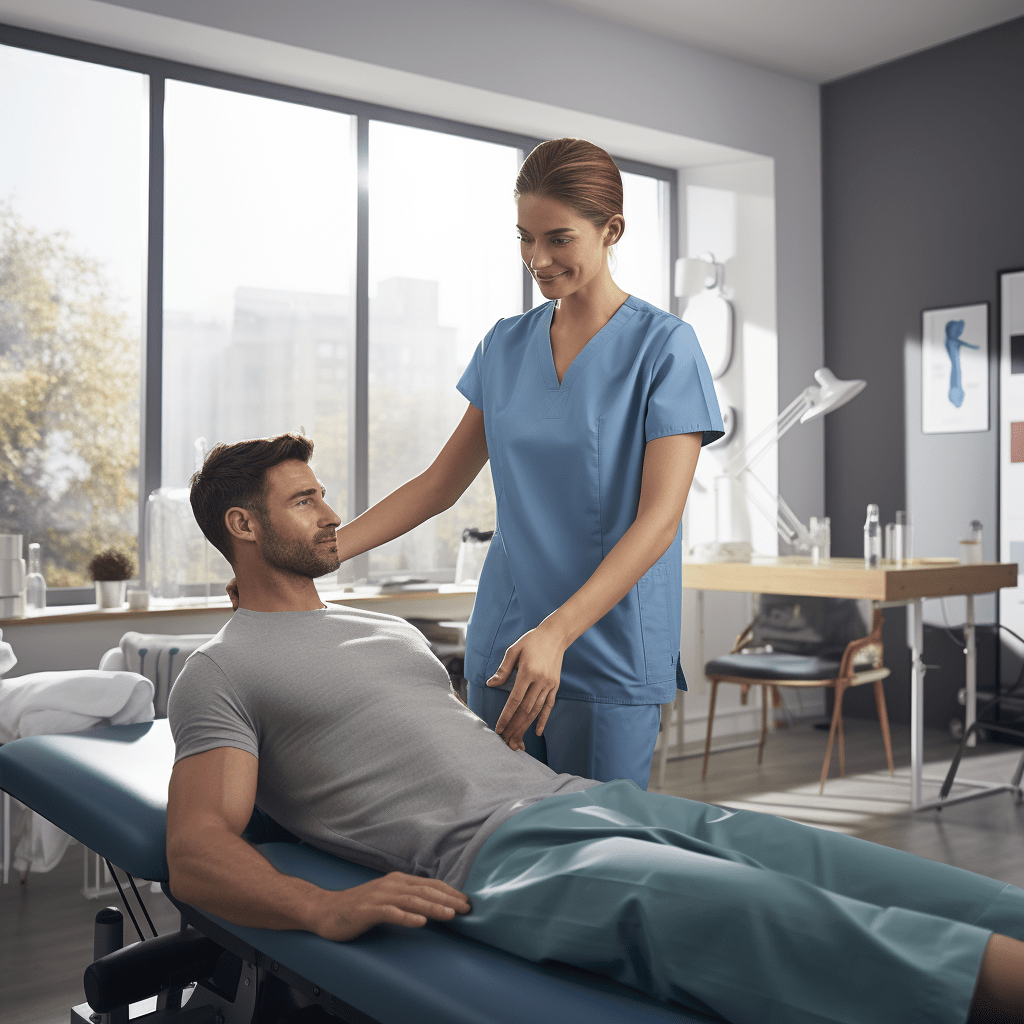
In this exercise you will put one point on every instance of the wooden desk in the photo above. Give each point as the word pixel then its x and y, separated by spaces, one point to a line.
pixel 887 586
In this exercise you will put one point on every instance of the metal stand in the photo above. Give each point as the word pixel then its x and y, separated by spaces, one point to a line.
pixel 915 640
pixel 6 826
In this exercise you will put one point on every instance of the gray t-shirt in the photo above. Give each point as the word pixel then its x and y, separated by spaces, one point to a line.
pixel 364 750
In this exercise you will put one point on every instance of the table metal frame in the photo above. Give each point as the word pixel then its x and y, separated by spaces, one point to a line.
pixel 891 585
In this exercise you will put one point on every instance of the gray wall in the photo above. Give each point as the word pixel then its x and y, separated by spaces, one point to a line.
pixel 923 185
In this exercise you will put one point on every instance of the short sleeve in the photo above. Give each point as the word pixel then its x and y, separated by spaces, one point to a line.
pixel 682 397
pixel 205 713
pixel 471 383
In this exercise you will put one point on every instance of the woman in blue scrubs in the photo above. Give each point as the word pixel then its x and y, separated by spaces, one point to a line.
pixel 592 409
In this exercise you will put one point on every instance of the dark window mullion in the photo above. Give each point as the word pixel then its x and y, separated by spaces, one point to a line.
pixel 152 368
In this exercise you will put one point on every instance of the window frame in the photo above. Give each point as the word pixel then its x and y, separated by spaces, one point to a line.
pixel 158 70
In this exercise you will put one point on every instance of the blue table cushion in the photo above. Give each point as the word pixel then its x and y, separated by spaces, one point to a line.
pixel 107 787
pixel 776 666
pixel 433 976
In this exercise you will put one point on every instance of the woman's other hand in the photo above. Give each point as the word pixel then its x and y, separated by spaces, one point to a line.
pixel 232 592
pixel 536 658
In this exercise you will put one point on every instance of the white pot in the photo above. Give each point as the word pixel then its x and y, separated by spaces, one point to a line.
pixel 110 593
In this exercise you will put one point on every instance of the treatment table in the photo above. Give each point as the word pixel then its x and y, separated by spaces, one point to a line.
pixel 107 787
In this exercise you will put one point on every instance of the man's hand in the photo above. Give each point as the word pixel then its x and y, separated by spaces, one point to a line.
pixel 405 900
pixel 232 592
pixel 537 658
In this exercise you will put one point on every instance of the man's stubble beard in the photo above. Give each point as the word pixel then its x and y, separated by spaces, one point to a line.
pixel 298 557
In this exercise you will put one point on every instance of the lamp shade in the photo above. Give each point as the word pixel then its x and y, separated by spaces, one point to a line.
pixel 831 393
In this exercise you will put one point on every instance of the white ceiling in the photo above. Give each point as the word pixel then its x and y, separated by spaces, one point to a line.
pixel 816 40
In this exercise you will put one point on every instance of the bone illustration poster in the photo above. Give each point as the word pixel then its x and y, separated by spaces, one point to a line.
pixel 954 369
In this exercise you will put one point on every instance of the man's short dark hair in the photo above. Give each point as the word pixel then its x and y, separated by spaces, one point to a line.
pixel 235 475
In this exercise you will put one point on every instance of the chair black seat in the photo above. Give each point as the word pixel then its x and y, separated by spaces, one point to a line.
pixel 776 666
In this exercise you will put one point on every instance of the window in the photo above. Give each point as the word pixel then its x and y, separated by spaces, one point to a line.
pixel 444 265
pixel 72 222
pixel 315 264
pixel 259 283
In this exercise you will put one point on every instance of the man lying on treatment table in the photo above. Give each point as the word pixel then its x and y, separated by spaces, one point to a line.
pixel 343 727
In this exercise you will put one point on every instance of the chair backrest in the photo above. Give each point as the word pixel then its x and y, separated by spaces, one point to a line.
pixel 821 626
pixel 160 657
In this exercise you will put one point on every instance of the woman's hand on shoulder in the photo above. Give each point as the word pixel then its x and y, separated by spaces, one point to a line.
pixel 536 658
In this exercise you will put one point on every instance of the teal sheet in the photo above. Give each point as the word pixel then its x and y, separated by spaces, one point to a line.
pixel 750 916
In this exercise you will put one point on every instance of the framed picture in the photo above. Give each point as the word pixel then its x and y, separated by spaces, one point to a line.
pixel 954 369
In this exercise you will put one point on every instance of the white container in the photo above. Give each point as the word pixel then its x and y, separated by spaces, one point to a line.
pixel 11 545
pixel 110 593
pixel 12 577
pixel 970 552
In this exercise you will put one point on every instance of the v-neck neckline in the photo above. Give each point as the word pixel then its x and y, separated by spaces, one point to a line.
pixel 585 354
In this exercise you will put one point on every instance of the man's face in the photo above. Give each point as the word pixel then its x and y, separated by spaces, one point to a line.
pixel 299 530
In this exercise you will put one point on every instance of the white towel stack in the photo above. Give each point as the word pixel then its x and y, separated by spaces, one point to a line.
pixel 43 703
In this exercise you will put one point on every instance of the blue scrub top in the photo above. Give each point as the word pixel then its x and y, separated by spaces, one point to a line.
pixel 566 461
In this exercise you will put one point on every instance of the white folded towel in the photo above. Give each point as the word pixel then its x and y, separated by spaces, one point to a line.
pixel 7 658
pixel 51 702
pixel 42 703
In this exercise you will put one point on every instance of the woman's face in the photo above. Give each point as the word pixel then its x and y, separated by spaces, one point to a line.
pixel 563 250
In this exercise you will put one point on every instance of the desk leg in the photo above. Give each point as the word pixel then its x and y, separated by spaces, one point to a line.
pixel 7 835
pixel 972 672
pixel 915 640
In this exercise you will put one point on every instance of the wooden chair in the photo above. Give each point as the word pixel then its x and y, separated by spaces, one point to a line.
pixel 860 663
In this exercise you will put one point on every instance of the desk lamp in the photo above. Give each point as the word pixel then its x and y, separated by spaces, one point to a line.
pixel 816 400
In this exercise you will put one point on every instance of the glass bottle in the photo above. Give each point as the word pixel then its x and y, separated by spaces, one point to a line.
pixel 872 539
pixel 35 585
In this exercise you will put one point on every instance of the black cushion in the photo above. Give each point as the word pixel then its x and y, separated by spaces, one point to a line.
pixel 774 666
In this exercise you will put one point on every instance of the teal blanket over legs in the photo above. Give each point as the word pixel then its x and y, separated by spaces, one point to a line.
pixel 737 913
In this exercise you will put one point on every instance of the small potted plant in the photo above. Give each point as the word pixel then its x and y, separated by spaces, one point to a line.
pixel 111 570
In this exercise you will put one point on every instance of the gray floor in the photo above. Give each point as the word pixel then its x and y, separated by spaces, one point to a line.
pixel 46 925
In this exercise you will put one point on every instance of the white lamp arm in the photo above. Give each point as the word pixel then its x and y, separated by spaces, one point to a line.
pixel 755 448
pixel 775 509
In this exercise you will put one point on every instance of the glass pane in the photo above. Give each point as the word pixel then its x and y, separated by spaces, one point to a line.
pixel 72 229
pixel 640 262
pixel 259 315
pixel 444 266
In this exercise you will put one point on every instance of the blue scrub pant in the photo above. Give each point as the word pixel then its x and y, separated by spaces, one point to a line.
pixel 756 918
pixel 586 738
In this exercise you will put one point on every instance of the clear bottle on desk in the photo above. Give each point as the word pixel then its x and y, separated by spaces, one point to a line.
pixel 872 539
pixel 35 585
pixel 903 538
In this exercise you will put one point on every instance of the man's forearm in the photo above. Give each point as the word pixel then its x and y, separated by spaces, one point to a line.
pixel 224 875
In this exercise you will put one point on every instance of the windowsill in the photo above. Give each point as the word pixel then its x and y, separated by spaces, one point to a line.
pixel 371 593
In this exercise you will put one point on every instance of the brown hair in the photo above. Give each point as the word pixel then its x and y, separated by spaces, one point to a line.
pixel 234 475
pixel 574 172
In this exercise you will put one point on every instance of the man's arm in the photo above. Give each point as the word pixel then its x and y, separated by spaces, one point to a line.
pixel 210 800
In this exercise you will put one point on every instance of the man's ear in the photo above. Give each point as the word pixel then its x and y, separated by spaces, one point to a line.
pixel 240 523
